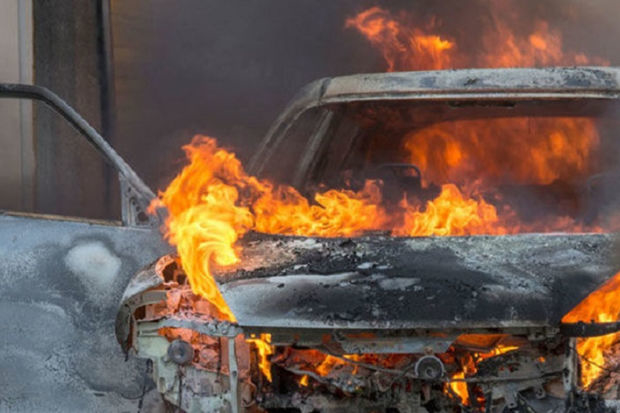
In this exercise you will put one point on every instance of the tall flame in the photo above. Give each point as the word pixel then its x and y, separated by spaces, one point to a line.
pixel 205 218
pixel 264 349
pixel 601 306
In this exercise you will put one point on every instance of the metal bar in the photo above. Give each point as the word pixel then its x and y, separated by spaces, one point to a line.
pixel 106 82
pixel 233 377
pixel 20 91
pixel 581 329
pixel 570 378
pixel 312 148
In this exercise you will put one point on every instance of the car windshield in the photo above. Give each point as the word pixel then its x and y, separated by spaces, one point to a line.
pixel 548 165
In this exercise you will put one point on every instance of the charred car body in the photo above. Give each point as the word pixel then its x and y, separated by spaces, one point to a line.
pixel 381 323
pixel 375 323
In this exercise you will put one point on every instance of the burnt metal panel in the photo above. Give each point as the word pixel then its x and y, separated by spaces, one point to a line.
pixel 490 83
pixel 379 282
pixel 60 285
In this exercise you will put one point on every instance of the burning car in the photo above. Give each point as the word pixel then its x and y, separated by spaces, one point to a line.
pixel 400 242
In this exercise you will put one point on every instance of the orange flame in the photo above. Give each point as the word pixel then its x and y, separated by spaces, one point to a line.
pixel 213 201
pixel 601 306
pixel 406 46
pixel 505 150
pixel 264 349
pixel 401 45
pixel 489 151
pixel 337 213
pixel 459 387
pixel 451 213
pixel 205 219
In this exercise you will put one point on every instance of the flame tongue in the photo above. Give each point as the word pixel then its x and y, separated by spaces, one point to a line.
pixel 406 45
pixel 451 213
pixel 601 306
pixel 213 202
pixel 403 46
pixel 205 220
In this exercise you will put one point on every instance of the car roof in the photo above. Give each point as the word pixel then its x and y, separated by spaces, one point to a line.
pixel 461 84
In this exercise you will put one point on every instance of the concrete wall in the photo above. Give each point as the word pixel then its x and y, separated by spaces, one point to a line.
pixel 71 177
pixel 16 144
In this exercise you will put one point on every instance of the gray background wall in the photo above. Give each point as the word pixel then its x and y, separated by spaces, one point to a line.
pixel 16 143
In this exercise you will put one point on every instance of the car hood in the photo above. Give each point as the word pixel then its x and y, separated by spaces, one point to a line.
pixel 380 282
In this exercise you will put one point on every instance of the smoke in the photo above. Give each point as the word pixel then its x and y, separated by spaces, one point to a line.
pixel 227 69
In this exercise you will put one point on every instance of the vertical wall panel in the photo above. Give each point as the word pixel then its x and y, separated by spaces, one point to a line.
pixel 16 146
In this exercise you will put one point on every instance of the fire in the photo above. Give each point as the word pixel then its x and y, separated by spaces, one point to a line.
pixel 469 362
pixel 328 363
pixel 459 386
pixel 408 45
pixel 505 150
pixel 500 349
pixel 451 213
pixel 490 152
pixel 264 349
pixel 601 306
pixel 402 45
pixel 205 219
pixel 283 210
pixel 213 202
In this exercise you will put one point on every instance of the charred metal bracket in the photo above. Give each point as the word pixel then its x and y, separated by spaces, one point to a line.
pixel 179 382
pixel 136 195
pixel 581 329
pixel 172 368
pixel 207 327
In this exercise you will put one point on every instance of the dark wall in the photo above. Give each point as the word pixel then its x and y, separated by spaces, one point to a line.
pixel 224 69
pixel 71 178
